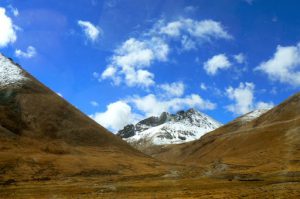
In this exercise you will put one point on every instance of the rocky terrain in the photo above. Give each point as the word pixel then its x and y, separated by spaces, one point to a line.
pixel 184 126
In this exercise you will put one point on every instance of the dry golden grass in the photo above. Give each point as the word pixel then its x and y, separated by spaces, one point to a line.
pixel 49 149
pixel 152 187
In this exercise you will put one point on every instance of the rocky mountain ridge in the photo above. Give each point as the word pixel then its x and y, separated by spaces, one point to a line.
pixel 169 128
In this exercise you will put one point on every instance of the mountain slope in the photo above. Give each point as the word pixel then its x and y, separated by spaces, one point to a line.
pixel 184 126
pixel 42 135
pixel 267 144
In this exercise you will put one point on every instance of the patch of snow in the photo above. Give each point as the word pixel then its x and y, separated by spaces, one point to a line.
pixel 177 129
pixel 253 115
pixel 10 74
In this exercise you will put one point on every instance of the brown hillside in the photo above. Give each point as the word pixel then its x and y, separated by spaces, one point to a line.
pixel 42 136
pixel 268 144
pixel 49 149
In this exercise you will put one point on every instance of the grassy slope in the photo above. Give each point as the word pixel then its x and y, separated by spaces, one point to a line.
pixel 43 137
pixel 269 143
pixel 49 149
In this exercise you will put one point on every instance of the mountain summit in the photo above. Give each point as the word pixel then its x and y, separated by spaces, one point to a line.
pixel 169 128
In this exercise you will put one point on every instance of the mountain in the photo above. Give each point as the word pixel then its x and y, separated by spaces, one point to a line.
pixel 263 146
pixel 49 149
pixel 184 126
pixel 42 136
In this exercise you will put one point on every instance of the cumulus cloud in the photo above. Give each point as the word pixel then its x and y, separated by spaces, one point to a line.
pixel 204 30
pixel 131 57
pixel 151 105
pixel 29 53
pixel 243 97
pixel 116 116
pixel 264 105
pixel 216 63
pixel 130 62
pixel 109 72
pixel 174 89
pixel 244 101
pixel 7 33
pixel 91 31
pixel 203 86
pixel 172 29
pixel 240 58
pixel 134 108
pixel 284 66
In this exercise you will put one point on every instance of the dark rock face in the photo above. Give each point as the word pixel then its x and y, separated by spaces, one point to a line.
pixel 130 130
pixel 155 121
pixel 127 131
pixel 191 116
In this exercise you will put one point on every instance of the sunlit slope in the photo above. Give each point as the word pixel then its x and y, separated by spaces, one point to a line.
pixel 42 136
pixel 269 143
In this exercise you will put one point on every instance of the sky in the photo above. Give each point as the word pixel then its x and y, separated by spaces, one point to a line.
pixel 120 61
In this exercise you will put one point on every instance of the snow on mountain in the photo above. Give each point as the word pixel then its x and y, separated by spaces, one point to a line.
pixel 252 115
pixel 10 74
pixel 184 126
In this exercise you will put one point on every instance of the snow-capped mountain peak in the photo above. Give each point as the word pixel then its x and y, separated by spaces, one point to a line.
pixel 10 73
pixel 169 128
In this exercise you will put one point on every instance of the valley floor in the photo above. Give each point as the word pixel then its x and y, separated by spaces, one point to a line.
pixel 153 187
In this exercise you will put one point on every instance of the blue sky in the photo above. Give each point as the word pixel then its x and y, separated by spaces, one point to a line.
pixel 120 61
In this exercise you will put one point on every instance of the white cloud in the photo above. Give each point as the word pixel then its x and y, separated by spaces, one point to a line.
pixel 175 89
pixel 187 43
pixel 120 113
pixel 240 58
pixel 15 11
pixel 203 86
pixel 160 48
pixel 94 103
pixel 172 29
pixel 139 77
pixel 109 72
pixel 116 116
pixel 243 96
pixel 59 94
pixel 129 62
pixel 133 53
pixel 7 33
pixel 151 105
pixel 284 66
pixel 131 57
pixel 29 53
pixel 204 30
pixel 264 105
pixel 91 31
pixel 215 63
